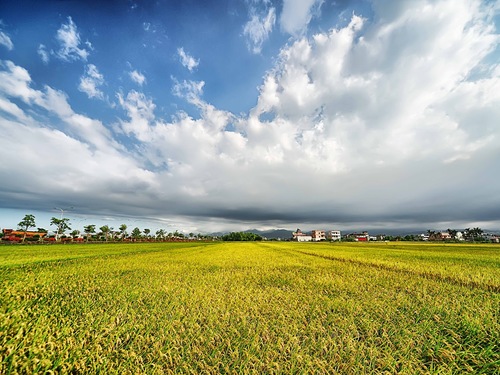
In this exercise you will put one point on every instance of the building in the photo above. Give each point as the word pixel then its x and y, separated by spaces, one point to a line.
pixel 334 235
pixel 359 237
pixel 18 235
pixel 318 235
pixel 301 237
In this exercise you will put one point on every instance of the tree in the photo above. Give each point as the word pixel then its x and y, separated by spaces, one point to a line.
pixel 147 232
pixel 105 229
pixel 62 225
pixel 75 233
pixel 27 223
pixel 123 231
pixel 452 233
pixel 160 233
pixel 136 233
pixel 475 234
pixel 241 236
pixel 89 229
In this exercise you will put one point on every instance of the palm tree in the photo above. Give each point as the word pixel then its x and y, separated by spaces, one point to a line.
pixel 160 233
pixel 105 229
pixel 123 231
pixel 89 229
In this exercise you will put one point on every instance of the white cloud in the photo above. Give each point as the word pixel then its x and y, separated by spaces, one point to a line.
pixel 43 53
pixel 137 77
pixel 189 90
pixel 69 38
pixel 258 28
pixel 297 14
pixel 140 111
pixel 379 121
pixel 6 41
pixel 186 60
pixel 90 82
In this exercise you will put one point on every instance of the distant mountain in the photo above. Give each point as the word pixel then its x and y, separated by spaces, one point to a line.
pixel 273 234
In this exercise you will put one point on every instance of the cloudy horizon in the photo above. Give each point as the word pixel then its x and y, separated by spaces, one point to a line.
pixel 209 116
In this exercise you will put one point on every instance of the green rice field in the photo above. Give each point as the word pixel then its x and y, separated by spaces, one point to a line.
pixel 250 308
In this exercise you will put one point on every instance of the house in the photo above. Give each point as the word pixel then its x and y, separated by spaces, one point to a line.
pixel 334 235
pixel 359 237
pixel 318 235
pixel 301 237
pixel 440 236
pixel 18 235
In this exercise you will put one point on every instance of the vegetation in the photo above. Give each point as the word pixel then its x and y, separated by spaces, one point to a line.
pixel 255 307
pixel 241 236
pixel 62 225
pixel 27 223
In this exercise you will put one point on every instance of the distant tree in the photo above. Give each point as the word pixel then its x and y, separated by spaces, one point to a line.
pixel 147 231
pixel 62 226
pixel 191 235
pixel 105 229
pixel 452 233
pixel 476 234
pixel 89 229
pixel 41 230
pixel 241 236
pixel 136 233
pixel 75 233
pixel 123 231
pixel 160 234
pixel 27 223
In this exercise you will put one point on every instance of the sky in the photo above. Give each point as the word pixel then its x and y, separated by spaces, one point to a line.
pixel 204 116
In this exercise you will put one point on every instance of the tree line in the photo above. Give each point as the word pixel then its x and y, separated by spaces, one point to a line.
pixel 106 233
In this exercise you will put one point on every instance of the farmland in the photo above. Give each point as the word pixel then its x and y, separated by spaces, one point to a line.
pixel 250 308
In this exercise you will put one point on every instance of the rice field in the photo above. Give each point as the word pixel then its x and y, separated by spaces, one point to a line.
pixel 250 308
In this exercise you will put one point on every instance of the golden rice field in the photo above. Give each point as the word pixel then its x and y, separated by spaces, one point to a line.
pixel 250 308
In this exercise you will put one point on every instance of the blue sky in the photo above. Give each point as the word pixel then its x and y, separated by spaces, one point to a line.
pixel 226 115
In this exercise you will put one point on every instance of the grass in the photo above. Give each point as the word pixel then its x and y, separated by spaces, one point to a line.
pixel 250 308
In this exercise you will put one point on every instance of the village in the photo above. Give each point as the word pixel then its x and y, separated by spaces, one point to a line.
pixel 451 235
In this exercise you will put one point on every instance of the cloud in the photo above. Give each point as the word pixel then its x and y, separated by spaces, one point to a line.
pixel 297 14
pixel 390 121
pixel 90 82
pixel 43 53
pixel 69 39
pixel 258 28
pixel 186 60
pixel 189 90
pixel 137 77
pixel 6 41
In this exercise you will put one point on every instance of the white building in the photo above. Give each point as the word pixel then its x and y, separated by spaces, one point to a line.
pixel 334 235
pixel 301 237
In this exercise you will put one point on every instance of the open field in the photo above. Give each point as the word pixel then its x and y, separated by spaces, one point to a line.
pixel 251 308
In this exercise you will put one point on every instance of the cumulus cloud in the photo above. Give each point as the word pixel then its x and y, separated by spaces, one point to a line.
pixel 187 61
pixel 297 14
pixel 391 120
pixel 90 82
pixel 258 28
pixel 70 43
pixel 6 41
pixel 137 77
